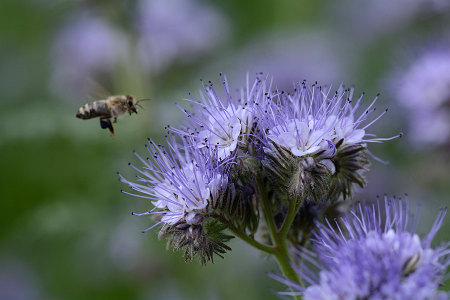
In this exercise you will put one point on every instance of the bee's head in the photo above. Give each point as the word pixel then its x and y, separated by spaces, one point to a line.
pixel 131 104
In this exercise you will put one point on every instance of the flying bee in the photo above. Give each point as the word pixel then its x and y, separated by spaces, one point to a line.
pixel 109 109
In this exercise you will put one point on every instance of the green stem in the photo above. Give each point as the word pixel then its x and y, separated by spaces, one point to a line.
pixel 242 235
pixel 273 231
pixel 280 242
pixel 292 212
pixel 252 242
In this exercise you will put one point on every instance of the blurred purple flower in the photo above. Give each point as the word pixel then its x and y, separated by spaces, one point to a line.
pixel 424 90
pixel 18 281
pixel 82 50
pixel 176 30
pixel 361 257
pixel 298 55
pixel 371 18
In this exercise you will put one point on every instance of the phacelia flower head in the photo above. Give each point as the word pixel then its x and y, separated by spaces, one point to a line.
pixel 359 256
pixel 224 123
pixel 180 180
pixel 317 131
pixel 184 184
pixel 306 121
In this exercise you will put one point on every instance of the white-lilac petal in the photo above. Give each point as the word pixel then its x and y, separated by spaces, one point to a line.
pixel 302 138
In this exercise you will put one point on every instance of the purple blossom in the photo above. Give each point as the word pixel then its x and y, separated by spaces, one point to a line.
pixel 224 122
pixel 312 121
pixel 180 180
pixel 359 256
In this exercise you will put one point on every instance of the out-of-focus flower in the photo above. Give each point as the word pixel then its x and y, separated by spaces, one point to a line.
pixel 290 56
pixel 17 281
pixel 372 18
pixel 84 49
pixel 176 30
pixel 359 256
pixel 424 90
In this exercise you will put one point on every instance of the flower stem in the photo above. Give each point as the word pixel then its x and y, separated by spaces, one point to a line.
pixel 292 212
pixel 280 242
pixel 273 231
pixel 242 235
pixel 252 242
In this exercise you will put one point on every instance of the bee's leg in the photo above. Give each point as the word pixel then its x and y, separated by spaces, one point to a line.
pixel 105 123
pixel 115 119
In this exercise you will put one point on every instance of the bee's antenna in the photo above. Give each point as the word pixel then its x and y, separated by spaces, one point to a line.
pixel 137 102
pixel 145 99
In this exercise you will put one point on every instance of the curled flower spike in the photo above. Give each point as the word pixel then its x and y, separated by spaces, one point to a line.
pixel 323 129
pixel 223 122
pixel 361 256
pixel 185 184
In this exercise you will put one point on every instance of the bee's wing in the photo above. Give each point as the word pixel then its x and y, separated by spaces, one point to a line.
pixel 97 90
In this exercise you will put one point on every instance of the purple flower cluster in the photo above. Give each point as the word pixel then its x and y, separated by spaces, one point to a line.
pixel 309 142
pixel 270 163
pixel 372 252
pixel 307 123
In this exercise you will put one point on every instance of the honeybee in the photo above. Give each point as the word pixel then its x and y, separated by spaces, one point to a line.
pixel 109 109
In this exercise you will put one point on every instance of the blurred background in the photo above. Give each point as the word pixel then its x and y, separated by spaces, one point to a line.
pixel 66 231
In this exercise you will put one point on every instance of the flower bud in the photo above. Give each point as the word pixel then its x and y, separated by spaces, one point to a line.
pixel 309 179
pixel 351 162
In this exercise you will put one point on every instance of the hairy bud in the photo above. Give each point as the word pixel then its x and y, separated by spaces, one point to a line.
pixel 309 179
pixel 351 162
pixel 204 239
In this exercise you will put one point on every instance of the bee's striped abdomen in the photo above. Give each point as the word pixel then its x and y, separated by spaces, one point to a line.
pixel 93 109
